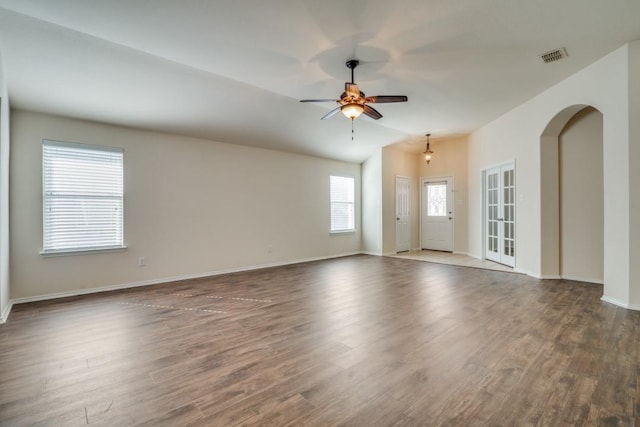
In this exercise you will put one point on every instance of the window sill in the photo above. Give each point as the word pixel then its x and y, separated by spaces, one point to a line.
pixel 343 232
pixel 72 252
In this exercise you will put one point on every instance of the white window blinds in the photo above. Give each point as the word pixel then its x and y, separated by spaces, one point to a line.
pixel 342 194
pixel 82 197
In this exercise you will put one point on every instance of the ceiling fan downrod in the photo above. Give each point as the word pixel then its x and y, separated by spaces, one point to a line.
pixel 352 64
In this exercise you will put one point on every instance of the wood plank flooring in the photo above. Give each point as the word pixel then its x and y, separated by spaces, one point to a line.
pixel 441 257
pixel 357 341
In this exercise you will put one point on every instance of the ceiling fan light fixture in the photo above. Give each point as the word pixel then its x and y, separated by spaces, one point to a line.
pixel 352 110
pixel 353 101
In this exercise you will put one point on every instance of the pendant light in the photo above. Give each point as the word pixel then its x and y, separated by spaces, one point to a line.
pixel 427 153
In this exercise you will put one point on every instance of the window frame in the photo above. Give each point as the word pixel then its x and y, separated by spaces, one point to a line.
pixel 79 250
pixel 352 203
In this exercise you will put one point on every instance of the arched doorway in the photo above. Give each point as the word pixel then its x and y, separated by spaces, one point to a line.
pixel 572 195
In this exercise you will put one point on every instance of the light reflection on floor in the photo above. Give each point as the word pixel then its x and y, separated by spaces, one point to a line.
pixel 452 259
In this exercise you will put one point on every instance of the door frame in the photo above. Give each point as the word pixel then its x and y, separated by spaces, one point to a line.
pixel 408 208
pixel 483 177
pixel 424 179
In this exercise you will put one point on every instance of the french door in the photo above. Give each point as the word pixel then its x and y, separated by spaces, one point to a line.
pixel 436 214
pixel 500 214
pixel 403 223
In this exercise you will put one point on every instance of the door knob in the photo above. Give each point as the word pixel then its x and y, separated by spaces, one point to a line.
pixel 397 219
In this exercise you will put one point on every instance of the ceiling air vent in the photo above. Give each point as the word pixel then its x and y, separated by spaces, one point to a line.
pixel 553 55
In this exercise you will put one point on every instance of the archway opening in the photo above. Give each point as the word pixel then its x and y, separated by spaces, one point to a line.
pixel 572 195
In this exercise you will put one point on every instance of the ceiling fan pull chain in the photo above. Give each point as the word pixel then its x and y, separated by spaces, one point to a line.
pixel 352 132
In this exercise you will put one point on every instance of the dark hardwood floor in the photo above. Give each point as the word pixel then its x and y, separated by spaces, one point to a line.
pixel 361 341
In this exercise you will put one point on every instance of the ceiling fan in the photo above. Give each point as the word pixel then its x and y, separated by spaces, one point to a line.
pixel 353 102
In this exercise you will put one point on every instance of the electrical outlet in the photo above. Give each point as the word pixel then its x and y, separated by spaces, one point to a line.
pixel 142 261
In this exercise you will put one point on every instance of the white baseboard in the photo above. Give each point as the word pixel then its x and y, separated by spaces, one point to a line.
pixel 7 310
pixel 549 277
pixel 79 292
pixel 584 279
pixel 619 303
pixel 5 313
pixel 461 253
pixel 526 273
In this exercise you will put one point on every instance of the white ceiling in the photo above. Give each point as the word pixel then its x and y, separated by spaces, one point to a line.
pixel 234 70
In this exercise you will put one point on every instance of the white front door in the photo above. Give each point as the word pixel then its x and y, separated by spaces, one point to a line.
pixel 436 214
pixel 500 211
pixel 403 225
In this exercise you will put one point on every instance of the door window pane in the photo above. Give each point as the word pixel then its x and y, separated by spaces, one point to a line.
pixel 437 199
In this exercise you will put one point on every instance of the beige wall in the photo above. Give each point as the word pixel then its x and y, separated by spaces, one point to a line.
pixel 4 197
pixel 396 162
pixel 372 204
pixel 582 198
pixel 517 136
pixel 450 159
pixel 192 207
pixel 634 169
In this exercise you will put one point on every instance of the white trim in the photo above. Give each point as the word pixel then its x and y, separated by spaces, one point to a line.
pixel 5 313
pixel 461 253
pixel 395 201
pixel 549 277
pixel 584 279
pixel 73 252
pixel 373 253
pixel 483 176
pixel 424 179
pixel 79 292
pixel 525 272
pixel 346 230
pixel 68 144
pixel 619 303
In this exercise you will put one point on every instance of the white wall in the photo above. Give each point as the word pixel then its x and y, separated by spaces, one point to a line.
pixel 450 159
pixel 4 197
pixel 192 207
pixel 516 135
pixel 372 204
pixel 582 198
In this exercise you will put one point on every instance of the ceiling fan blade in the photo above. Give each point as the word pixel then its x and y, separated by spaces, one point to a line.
pixel 331 113
pixel 371 112
pixel 381 99
pixel 318 100
pixel 351 89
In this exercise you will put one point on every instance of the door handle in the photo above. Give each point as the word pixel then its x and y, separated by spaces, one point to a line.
pixel 397 219
pixel 449 217
pixel 499 219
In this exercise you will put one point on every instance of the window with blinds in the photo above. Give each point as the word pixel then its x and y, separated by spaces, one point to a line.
pixel 342 195
pixel 82 197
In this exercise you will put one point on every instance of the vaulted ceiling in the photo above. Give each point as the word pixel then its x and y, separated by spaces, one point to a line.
pixel 234 70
